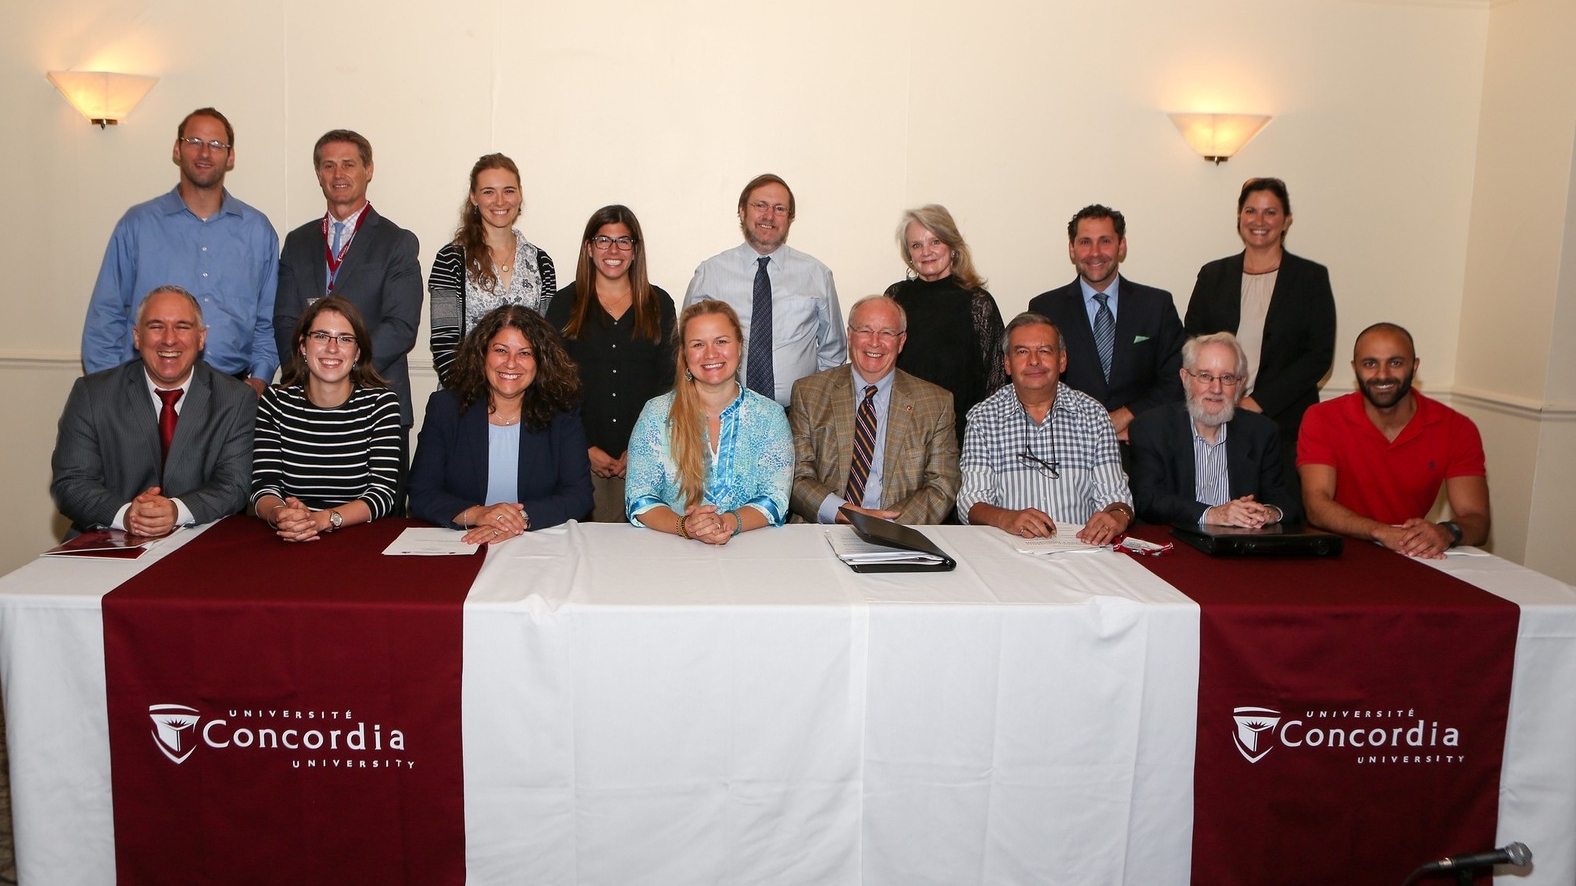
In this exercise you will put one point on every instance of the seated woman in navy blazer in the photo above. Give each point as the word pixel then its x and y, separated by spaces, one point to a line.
pixel 501 450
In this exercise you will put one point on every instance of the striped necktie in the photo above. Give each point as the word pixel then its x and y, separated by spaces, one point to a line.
pixel 1104 333
pixel 864 448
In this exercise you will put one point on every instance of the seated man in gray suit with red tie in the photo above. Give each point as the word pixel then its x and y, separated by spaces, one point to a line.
pixel 890 447
pixel 160 441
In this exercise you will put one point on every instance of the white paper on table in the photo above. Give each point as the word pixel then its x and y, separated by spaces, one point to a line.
pixel 850 548
pixel 429 541
pixel 1064 541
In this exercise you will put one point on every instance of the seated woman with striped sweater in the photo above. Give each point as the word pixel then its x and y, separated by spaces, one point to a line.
pixel 328 436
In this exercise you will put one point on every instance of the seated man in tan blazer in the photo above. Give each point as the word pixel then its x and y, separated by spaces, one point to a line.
pixel 888 448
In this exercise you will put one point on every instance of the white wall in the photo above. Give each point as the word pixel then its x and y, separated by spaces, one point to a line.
pixel 1517 371
pixel 1014 114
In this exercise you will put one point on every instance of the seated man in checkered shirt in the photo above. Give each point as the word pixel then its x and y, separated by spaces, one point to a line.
pixel 1037 452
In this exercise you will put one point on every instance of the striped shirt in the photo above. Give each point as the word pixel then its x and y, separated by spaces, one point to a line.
pixel 328 457
pixel 457 302
pixel 1211 484
pixel 1006 453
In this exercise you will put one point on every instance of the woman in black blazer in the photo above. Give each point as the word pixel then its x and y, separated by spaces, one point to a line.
pixel 501 450
pixel 1279 306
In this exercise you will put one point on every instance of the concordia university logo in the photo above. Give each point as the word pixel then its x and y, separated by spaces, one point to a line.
pixel 1374 736
pixel 303 739
pixel 1255 735
pixel 174 730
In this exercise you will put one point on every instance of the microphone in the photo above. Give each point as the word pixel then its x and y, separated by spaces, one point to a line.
pixel 1516 853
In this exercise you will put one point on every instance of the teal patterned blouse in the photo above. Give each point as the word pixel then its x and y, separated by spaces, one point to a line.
pixel 753 464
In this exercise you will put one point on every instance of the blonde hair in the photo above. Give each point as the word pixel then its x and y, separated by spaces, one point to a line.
pixel 686 430
pixel 937 220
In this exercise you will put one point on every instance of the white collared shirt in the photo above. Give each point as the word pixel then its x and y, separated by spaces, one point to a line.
pixel 183 516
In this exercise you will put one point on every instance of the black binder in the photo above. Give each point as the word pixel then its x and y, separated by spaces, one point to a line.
pixel 1270 541
pixel 892 534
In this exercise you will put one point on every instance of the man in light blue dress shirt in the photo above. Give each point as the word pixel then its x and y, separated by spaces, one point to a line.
pixel 202 239
pixel 806 330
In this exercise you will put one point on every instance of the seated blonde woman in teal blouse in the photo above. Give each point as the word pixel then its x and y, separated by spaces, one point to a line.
pixel 677 482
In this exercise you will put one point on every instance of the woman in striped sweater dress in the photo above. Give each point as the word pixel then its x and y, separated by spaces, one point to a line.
pixel 326 454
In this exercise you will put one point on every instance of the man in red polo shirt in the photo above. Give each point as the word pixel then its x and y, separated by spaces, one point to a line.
pixel 1372 461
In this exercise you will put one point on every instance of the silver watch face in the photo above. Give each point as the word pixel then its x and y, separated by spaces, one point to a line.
pixel 334 519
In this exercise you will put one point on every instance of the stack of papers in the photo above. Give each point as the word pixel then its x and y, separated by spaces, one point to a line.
pixel 1064 541
pixel 430 541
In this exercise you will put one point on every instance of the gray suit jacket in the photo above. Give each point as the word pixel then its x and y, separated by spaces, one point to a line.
pixel 381 277
pixel 920 474
pixel 107 449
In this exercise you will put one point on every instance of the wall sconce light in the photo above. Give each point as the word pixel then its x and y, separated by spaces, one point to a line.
pixel 103 97
pixel 1216 137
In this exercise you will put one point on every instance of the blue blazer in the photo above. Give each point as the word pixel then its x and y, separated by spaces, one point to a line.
pixel 1148 350
pixel 1164 472
pixel 449 472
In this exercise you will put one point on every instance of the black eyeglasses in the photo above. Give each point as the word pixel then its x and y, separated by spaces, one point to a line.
pixel 622 244
pixel 1053 467
pixel 345 339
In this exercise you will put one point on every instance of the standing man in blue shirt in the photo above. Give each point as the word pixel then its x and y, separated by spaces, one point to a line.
pixel 202 239
pixel 786 300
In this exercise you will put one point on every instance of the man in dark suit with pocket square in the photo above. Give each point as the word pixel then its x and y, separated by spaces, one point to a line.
pixel 1123 339
pixel 160 441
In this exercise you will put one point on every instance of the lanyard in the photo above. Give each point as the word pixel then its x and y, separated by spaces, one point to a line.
pixel 334 261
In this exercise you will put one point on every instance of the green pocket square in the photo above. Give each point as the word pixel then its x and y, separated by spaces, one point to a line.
pixel 1140 339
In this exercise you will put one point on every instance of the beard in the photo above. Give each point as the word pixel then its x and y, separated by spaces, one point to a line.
pixel 758 243
pixel 1195 408
pixel 1396 396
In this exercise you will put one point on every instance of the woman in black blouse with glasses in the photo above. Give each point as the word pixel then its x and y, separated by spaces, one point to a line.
pixel 619 329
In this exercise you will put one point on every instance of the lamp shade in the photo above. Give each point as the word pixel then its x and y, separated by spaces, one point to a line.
pixel 1216 137
pixel 101 96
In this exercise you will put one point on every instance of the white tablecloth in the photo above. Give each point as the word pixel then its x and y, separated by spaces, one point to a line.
pixel 641 710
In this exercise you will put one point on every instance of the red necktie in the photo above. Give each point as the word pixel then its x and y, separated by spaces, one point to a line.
pixel 167 419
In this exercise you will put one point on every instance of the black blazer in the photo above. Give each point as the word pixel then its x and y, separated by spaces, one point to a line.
pixel 381 277
pixel 449 472
pixel 1299 331
pixel 1164 479
pixel 107 451
pixel 1148 355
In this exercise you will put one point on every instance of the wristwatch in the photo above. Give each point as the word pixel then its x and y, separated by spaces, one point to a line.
pixel 1454 530
pixel 335 520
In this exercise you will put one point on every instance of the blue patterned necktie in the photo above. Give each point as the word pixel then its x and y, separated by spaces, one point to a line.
pixel 759 366
pixel 864 448
pixel 1104 333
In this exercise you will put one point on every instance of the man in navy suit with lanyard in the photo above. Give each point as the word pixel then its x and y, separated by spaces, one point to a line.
pixel 354 252
pixel 1123 339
